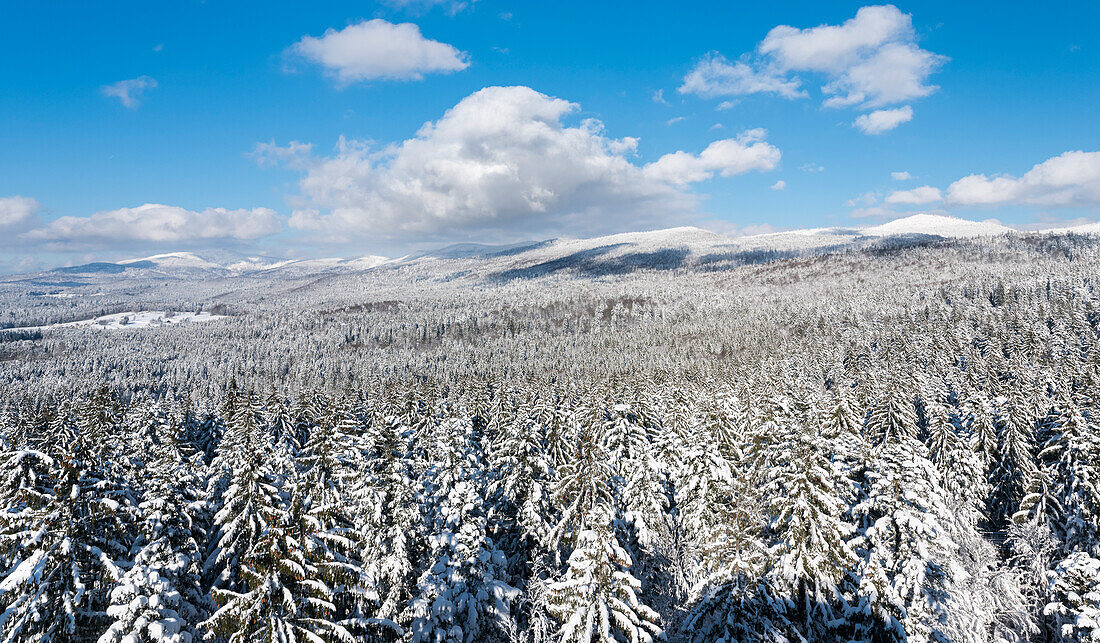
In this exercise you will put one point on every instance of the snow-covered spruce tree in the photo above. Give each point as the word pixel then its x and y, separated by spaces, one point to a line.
pixel 983 428
pixel 520 496
pixel 627 434
pixel 160 597
pixel 903 540
pixel 893 417
pixel 731 603
pixel 281 426
pixel 463 594
pixel 704 485
pixel 287 593
pixel 58 536
pixel 1076 477
pixel 330 479
pixel 988 600
pixel 809 553
pixel 1074 607
pixel 596 599
pixel 1014 465
pixel 246 464
pixel 387 506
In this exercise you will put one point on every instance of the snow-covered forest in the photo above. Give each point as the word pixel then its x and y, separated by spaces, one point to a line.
pixel 897 442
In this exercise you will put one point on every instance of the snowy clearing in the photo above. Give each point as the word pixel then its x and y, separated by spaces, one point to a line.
pixel 134 319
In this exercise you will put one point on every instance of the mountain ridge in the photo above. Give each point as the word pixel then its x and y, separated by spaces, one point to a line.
pixel 631 248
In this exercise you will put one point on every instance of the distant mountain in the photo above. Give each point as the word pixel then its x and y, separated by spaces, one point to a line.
pixel 669 249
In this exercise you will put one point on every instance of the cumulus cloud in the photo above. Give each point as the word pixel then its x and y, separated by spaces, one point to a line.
pixel 1070 179
pixel 728 157
pixel 901 176
pixel 883 120
pixel 869 61
pixel 376 49
pixel 503 162
pixel 916 196
pixel 129 92
pixel 779 185
pixel 18 212
pixel 157 223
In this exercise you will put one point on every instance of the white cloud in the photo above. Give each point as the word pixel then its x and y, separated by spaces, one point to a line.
pixel 869 61
pixel 295 155
pixel 728 157
pixel 1070 179
pixel 867 198
pixel 17 212
pixel 419 6
pixel 883 120
pixel 812 168
pixel 916 196
pixel 674 120
pixel 129 92
pixel 502 163
pixel 715 76
pixel 779 185
pixel 901 176
pixel 377 49
pixel 158 223
pixel 659 97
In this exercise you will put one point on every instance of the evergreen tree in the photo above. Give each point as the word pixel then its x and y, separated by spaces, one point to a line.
pixel 58 538
pixel 463 595
pixel 904 540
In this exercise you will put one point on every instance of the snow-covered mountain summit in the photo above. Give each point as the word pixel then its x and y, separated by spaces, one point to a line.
pixel 937 225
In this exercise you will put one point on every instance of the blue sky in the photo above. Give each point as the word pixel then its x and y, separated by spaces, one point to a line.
pixel 138 127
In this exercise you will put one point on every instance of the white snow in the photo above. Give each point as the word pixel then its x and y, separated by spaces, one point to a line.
pixel 175 260
pixel 939 225
pixel 1088 228
pixel 134 319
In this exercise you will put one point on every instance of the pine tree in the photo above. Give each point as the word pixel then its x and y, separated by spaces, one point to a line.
pixel 1014 465
pixel 287 594
pixel 387 504
pixel 160 597
pixel 810 555
pixel 58 539
pixel 904 540
pixel 597 596
pixel 463 595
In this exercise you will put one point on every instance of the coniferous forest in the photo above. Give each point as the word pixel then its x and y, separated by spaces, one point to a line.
pixel 892 443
